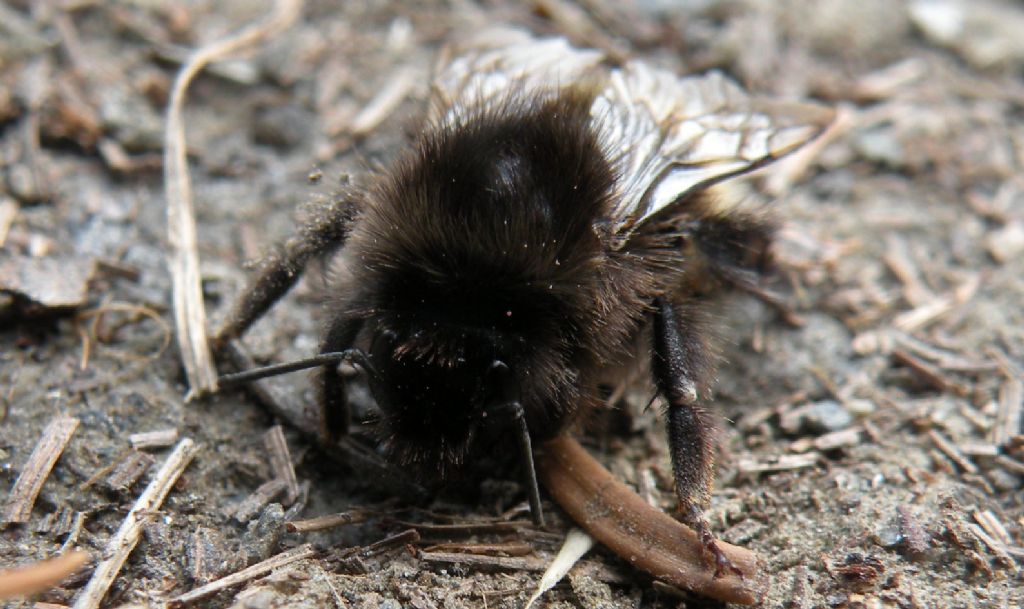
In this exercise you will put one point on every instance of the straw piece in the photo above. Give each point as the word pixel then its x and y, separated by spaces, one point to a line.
pixel 127 537
pixel 40 463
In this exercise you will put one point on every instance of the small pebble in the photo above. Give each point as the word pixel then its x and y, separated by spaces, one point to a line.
pixel 816 418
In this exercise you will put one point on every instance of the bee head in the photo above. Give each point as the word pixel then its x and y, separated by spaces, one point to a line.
pixel 436 390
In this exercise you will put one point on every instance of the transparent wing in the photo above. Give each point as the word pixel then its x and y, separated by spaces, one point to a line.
pixel 666 136
pixel 671 136
pixel 482 71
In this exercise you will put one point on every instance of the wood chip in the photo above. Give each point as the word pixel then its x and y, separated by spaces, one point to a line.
pixel 943 358
pixel 994 546
pixel 467 528
pixel 829 441
pixel 127 537
pixel 204 557
pixel 404 538
pixel 264 494
pixel 897 258
pixel 1011 404
pixel 979 449
pixel 8 212
pixel 514 564
pixel 257 570
pixel 50 281
pixel 778 464
pixel 929 373
pixel 129 470
pixel 328 521
pixel 1010 464
pixel 886 82
pixel 160 438
pixel 281 462
pixel 26 488
pixel 930 312
pixel 488 549
pixel 916 539
pixel 992 526
pixel 950 450
pixel 76 530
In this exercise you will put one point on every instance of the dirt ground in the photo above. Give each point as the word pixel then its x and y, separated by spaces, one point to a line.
pixel 875 457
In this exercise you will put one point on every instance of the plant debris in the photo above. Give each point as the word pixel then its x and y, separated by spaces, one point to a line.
pixel 887 426
pixel 33 474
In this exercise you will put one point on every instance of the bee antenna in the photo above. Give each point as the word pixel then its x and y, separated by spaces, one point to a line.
pixel 529 470
pixel 509 387
pixel 355 356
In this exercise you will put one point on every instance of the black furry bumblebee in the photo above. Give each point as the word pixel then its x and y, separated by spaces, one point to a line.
pixel 553 210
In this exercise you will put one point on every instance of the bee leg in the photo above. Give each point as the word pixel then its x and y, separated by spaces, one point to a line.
pixel 337 418
pixel 737 249
pixel 680 365
pixel 500 377
pixel 743 282
pixel 529 470
pixel 280 269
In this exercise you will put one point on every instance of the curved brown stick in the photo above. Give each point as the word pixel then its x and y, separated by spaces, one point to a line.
pixel 42 575
pixel 646 537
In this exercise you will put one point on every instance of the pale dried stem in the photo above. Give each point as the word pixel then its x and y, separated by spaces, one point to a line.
pixel 189 310
pixel 127 537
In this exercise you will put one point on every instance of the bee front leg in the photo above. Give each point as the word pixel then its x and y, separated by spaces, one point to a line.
pixel 337 417
pixel 681 364
pixel 283 266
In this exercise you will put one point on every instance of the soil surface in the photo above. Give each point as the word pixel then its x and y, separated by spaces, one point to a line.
pixel 874 457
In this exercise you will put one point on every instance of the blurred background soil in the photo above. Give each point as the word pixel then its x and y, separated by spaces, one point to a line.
pixel 874 456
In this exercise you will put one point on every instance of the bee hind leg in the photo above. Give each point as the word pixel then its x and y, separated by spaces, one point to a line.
pixel 737 249
pixel 681 364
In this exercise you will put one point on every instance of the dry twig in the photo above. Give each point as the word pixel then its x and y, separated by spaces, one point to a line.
pixel 257 570
pixel 790 170
pixel 512 563
pixel 328 521
pixel 160 438
pixel 264 494
pixel 950 450
pixel 467 528
pixel 129 470
pixel 388 98
pixel 929 373
pixel 781 463
pixel 1010 415
pixel 189 311
pixel 577 23
pixel 281 462
pixel 404 538
pixel 26 488
pixel 646 537
pixel 489 549
pixel 998 549
pixel 124 541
